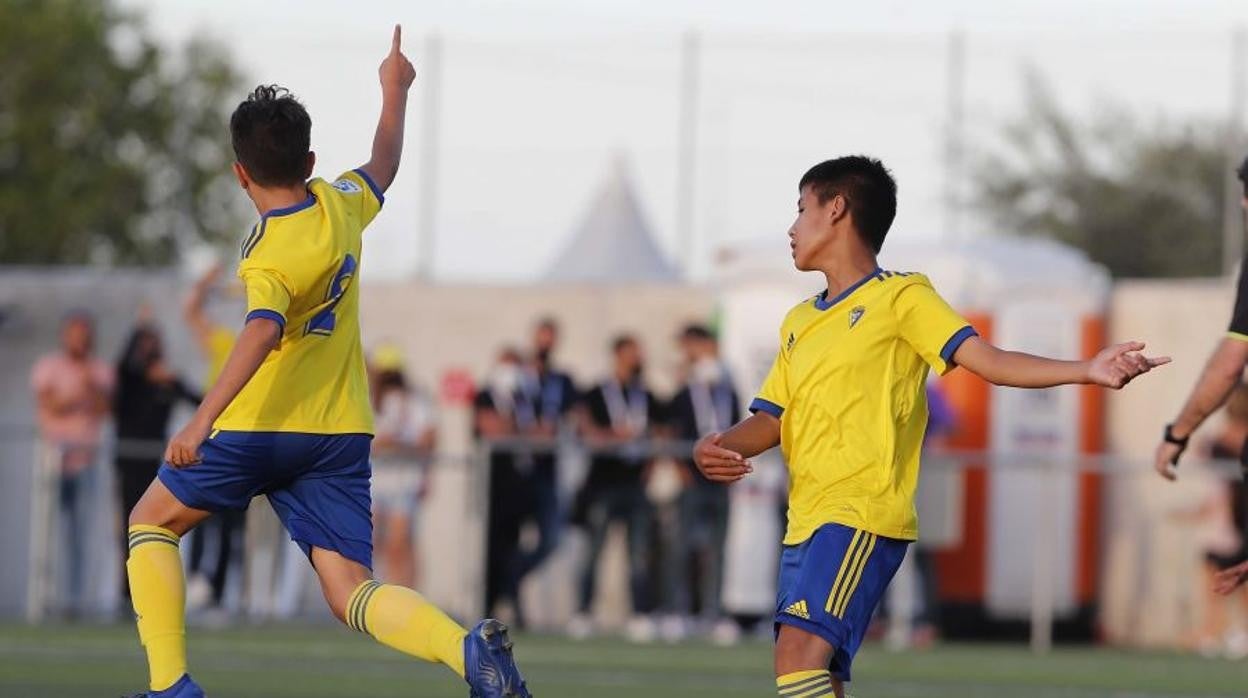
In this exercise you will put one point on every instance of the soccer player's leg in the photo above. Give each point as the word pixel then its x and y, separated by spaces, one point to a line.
pixel 829 588
pixel 172 505
pixel 327 513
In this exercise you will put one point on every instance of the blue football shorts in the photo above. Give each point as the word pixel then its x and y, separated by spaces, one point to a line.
pixel 318 485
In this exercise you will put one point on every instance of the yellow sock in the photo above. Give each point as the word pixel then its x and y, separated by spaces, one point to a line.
pixel 401 618
pixel 159 596
pixel 805 684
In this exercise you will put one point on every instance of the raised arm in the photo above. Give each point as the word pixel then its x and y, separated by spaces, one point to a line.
pixel 193 307
pixel 1113 367
pixel 396 74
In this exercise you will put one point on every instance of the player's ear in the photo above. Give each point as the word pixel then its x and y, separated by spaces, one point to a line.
pixel 311 164
pixel 836 209
pixel 241 174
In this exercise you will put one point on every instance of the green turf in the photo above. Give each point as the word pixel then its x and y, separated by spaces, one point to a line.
pixel 323 661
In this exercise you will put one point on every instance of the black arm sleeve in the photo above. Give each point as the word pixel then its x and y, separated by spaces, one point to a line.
pixel 1239 319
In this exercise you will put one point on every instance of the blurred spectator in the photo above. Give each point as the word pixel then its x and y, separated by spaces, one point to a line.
pixel 1227 544
pixel 707 403
pixel 147 392
pixel 619 416
pixel 72 390
pixel 916 624
pixel 546 396
pixel 403 445
pixel 495 419
pixel 216 543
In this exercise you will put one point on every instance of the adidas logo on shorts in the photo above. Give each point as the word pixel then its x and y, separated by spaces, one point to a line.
pixel 798 609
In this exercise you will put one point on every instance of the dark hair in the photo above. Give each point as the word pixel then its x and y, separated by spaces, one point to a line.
pixel 548 322
pixel 272 133
pixel 143 348
pixel 696 331
pixel 868 188
pixel 391 379
pixel 621 341
pixel 1242 173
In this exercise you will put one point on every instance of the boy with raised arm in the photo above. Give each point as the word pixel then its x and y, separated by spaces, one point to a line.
pixel 289 415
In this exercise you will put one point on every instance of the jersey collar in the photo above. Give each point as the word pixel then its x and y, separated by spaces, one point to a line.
pixel 306 203
pixel 822 302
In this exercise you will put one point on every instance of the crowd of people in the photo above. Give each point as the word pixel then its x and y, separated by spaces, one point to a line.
pixel 526 411
pixel 636 442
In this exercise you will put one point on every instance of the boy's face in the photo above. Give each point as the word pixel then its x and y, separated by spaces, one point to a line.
pixel 812 232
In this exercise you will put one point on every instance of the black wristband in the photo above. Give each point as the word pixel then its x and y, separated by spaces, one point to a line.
pixel 1170 438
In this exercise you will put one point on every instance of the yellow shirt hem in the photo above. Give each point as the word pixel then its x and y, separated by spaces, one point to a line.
pixel 293 427
pixel 802 534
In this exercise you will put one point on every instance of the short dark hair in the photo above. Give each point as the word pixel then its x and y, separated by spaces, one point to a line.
pixel 868 188
pixel 271 133
pixel 1242 173
pixel 621 341
pixel 696 331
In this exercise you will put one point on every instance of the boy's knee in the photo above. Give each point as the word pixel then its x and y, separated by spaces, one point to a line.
pixel 798 650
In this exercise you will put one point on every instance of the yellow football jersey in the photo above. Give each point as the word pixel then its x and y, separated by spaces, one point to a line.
pixel 300 266
pixel 220 342
pixel 848 385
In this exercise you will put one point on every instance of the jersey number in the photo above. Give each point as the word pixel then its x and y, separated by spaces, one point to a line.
pixel 323 322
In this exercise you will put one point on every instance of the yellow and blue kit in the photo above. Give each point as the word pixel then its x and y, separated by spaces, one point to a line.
pixel 299 430
pixel 848 385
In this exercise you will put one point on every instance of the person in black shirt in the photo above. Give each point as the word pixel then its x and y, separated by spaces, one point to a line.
pixel 706 404
pixel 1222 373
pixel 496 417
pixel 147 391
pixel 618 417
pixel 548 396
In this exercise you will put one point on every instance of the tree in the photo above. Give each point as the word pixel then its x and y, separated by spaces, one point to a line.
pixel 112 151
pixel 1145 201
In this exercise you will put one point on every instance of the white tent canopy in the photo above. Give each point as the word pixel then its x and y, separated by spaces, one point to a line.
pixel 614 242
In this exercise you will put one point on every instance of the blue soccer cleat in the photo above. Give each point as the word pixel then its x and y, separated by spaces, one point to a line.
pixel 489 667
pixel 184 688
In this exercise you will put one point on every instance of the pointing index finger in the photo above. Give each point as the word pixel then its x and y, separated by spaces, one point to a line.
pixel 397 40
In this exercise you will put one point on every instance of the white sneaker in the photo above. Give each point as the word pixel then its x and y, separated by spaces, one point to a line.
pixel 198 593
pixel 1237 645
pixel 640 630
pixel 673 629
pixel 726 633
pixel 580 627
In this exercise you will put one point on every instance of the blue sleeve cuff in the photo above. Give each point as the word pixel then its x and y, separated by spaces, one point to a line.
pixel 951 347
pixel 771 408
pixel 268 315
pixel 381 197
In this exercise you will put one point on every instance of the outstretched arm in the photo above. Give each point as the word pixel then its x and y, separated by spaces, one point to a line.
pixel 396 74
pixel 1113 367
pixel 725 457
pixel 1222 372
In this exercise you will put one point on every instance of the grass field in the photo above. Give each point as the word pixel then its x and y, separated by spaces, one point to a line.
pixel 323 661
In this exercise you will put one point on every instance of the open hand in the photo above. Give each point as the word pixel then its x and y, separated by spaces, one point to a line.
pixel 1229 580
pixel 396 71
pixel 183 448
pixel 719 464
pixel 1116 365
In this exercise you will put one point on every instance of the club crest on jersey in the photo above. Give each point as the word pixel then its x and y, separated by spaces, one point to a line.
pixel 346 186
pixel 855 315
pixel 791 342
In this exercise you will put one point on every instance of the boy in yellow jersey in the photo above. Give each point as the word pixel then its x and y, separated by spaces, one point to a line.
pixel 845 401
pixel 289 415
